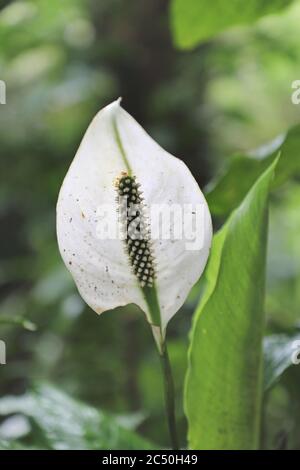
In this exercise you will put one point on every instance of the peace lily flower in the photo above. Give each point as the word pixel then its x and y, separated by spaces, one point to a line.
pixel 118 158
pixel 117 176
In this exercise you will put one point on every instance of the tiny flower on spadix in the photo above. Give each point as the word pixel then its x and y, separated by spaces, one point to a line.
pixel 118 165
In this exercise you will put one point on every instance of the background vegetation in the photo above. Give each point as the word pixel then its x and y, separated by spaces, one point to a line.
pixel 204 102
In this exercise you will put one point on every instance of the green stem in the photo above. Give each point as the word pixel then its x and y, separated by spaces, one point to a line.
pixel 150 295
pixel 169 396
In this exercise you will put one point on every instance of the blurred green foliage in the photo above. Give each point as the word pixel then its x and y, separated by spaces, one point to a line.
pixel 228 189
pixel 279 352
pixel 65 424
pixel 195 21
pixel 61 64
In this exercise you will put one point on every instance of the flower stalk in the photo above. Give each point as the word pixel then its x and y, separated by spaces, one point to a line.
pixel 169 391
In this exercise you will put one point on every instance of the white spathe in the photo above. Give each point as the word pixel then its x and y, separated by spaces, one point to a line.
pixel 101 269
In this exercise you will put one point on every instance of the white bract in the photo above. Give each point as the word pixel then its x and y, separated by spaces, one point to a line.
pixel 116 145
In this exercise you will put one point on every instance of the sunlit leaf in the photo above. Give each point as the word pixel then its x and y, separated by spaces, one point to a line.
pixel 194 21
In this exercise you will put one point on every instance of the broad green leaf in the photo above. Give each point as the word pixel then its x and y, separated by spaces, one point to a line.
pixel 280 350
pixel 227 191
pixel 195 21
pixel 69 424
pixel 224 379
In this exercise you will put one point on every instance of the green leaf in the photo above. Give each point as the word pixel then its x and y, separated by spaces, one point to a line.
pixel 17 321
pixel 279 350
pixel 224 379
pixel 195 21
pixel 68 424
pixel 227 191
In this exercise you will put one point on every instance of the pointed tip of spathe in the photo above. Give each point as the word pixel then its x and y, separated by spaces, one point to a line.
pixel 114 105
pixel 108 110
